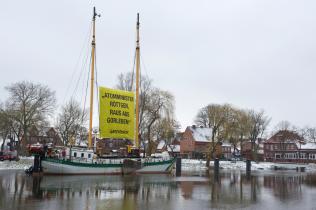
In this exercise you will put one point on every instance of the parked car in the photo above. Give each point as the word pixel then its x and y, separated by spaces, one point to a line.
pixel 8 155
pixel 3 156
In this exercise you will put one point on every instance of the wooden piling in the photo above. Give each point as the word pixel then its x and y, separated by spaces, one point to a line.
pixel 178 166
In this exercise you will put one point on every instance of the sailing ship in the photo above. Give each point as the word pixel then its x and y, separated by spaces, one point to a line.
pixel 85 161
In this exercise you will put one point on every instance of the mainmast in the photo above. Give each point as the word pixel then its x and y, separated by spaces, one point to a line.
pixel 92 78
pixel 137 82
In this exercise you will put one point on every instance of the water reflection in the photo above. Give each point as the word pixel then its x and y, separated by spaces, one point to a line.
pixel 230 190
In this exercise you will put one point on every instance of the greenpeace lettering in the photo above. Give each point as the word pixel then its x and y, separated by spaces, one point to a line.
pixel 116 113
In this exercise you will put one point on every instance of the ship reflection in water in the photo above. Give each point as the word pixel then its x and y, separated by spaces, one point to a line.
pixel 231 190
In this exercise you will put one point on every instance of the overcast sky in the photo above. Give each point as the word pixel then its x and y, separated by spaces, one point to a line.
pixel 251 54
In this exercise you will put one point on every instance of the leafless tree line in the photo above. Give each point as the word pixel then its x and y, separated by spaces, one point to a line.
pixel 32 104
pixel 232 124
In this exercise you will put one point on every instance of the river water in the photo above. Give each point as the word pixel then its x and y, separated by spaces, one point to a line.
pixel 231 190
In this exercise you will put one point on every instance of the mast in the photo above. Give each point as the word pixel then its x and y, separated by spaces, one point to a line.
pixel 137 82
pixel 92 78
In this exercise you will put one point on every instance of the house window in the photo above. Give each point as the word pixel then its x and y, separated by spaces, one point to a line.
pixel 75 154
pixel 271 147
pixel 82 155
pixel 277 156
pixel 275 147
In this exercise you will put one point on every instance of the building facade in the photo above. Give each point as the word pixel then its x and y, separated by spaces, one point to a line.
pixel 196 143
pixel 44 135
pixel 288 146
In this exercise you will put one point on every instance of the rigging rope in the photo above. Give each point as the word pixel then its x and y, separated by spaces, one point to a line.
pixel 88 34
pixel 80 76
pixel 86 92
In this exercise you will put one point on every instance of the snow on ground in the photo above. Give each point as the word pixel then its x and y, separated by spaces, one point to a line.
pixel 197 165
pixel 23 163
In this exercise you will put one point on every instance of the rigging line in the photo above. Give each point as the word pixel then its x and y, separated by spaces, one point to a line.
pixel 87 86
pixel 143 64
pixel 134 64
pixel 84 87
pixel 77 63
pixel 81 73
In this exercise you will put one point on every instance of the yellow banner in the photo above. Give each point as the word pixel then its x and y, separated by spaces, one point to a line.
pixel 116 114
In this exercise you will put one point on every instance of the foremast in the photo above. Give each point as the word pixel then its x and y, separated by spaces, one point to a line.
pixel 92 78
pixel 137 82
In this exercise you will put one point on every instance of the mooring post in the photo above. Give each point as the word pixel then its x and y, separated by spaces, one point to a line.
pixel 37 163
pixel 248 167
pixel 216 166
pixel 178 166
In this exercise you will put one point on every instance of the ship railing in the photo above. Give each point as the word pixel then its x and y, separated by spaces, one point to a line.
pixel 159 159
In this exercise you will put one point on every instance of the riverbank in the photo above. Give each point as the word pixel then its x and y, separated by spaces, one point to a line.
pixel 197 165
pixel 22 163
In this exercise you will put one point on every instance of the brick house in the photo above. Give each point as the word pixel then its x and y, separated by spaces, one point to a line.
pixel 288 146
pixel 227 150
pixel 247 149
pixel 173 149
pixel 44 135
pixel 195 142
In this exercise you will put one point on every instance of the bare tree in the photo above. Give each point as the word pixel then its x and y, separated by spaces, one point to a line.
pixel 159 105
pixel 237 128
pixel 214 116
pixel 71 121
pixel 166 129
pixel 125 82
pixel 284 125
pixel 154 105
pixel 5 126
pixel 29 104
pixel 311 135
pixel 258 124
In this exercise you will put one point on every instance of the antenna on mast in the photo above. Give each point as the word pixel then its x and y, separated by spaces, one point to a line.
pixel 95 14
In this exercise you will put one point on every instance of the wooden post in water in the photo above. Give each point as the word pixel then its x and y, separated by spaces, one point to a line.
pixel 216 168
pixel 37 165
pixel 178 166
pixel 248 167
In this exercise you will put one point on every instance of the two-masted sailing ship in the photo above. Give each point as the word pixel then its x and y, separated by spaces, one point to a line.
pixel 117 113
